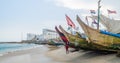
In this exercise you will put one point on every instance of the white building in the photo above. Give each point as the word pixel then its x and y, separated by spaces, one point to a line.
pixel 49 34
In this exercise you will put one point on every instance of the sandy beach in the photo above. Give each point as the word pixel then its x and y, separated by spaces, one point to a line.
pixel 43 54
pixel 34 55
pixel 82 57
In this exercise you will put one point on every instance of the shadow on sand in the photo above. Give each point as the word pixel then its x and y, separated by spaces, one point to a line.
pixel 96 57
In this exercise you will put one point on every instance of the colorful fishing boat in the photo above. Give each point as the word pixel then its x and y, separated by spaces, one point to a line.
pixel 100 41
pixel 77 40
pixel 112 25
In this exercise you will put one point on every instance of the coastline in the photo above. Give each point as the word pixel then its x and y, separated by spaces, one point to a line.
pixel 33 55
pixel 11 50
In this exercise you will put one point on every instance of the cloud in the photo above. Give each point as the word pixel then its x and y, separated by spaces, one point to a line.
pixel 79 4
pixel 83 5
pixel 74 4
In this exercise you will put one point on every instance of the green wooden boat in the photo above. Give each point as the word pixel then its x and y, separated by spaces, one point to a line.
pixel 76 40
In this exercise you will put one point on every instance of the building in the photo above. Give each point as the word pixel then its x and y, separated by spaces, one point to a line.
pixel 49 34
pixel 31 36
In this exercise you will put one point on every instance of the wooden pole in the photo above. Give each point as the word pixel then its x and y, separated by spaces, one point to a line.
pixel 98 14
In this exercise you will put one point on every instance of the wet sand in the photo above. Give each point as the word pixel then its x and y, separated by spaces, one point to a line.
pixel 44 54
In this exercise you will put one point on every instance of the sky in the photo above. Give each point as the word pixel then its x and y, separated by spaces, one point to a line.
pixel 19 17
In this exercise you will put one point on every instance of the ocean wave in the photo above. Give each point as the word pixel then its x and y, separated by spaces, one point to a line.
pixel 9 48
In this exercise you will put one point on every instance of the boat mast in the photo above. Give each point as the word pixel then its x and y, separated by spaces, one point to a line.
pixel 98 13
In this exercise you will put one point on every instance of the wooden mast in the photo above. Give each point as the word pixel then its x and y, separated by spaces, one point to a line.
pixel 98 13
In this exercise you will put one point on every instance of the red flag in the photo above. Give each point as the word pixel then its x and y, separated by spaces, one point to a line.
pixel 111 11
pixel 69 22
pixel 64 38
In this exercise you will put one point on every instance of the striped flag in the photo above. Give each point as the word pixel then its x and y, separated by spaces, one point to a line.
pixel 92 12
pixel 69 22
pixel 111 11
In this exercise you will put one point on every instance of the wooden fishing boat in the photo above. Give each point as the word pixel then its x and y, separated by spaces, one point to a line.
pixel 111 24
pixel 67 44
pixel 76 40
pixel 100 41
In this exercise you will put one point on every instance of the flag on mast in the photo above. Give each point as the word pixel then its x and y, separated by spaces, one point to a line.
pixel 111 11
pixel 94 22
pixel 69 22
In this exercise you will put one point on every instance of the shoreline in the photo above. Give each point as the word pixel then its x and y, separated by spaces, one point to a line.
pixel 11 53
pixel 51 54
pixel 34 55
pixel 16 50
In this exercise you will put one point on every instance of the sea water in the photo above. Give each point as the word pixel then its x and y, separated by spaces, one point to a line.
pixel 5 48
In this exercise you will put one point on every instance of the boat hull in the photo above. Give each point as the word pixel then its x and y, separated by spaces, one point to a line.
pixel 99 41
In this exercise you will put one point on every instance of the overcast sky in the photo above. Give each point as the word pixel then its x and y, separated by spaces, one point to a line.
pixel 19 17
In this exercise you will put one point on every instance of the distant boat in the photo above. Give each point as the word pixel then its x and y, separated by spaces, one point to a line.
pixel 54 43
